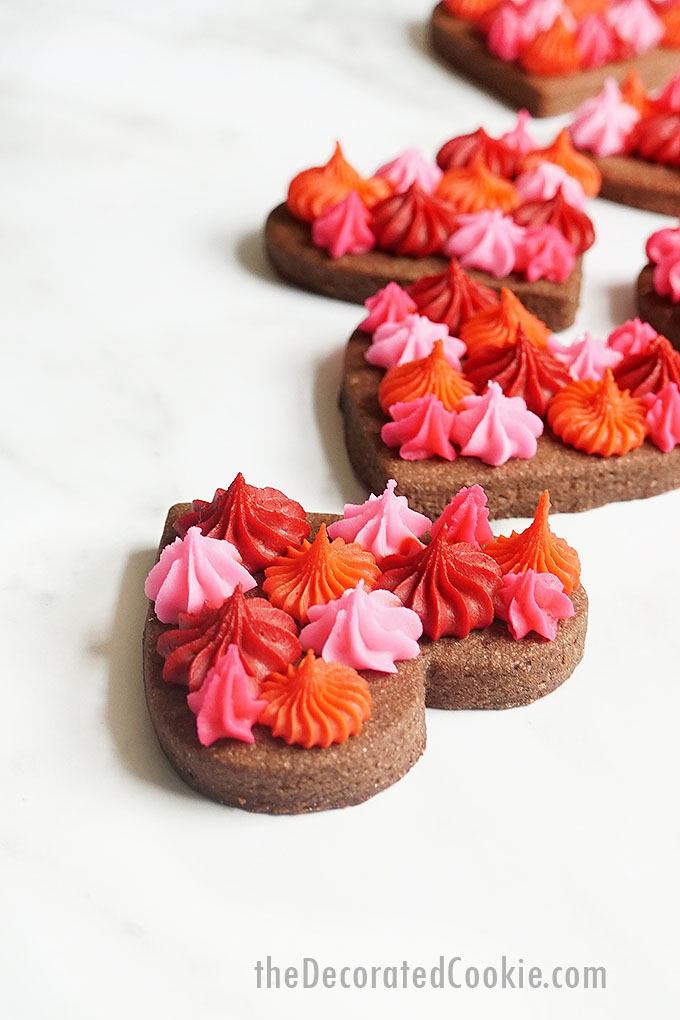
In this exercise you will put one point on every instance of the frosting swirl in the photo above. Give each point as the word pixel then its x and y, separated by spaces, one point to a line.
pixel 519 139
pixel 544 253
pixel 603 124
pixel 465 518
pixel 471 189
pixel 537 548
pixel 496 428
pixel 451 297
pixel 551 52
pixel 596 41
pixel 312 191
pixel 430 375
pixel 541 183
pixel 521 369
pixel 498 326
pixel 343 229
pixel 587 358
pixel 635 24
pixel 663 417
pixel 225 705
pixel 390 304
pixel 409 168
pixel 632 337
pixel 563 154
pixel 414 337
pixel 421 428
pixel 668 99
pixel 533 601
pixel 556 212
pixel 596 416
pixel 413 223
pixel 463 150
pixel 486 240
pixel 266 639
pixel 316 703
pixel 382 525
pixel 651 370
pixel 657 138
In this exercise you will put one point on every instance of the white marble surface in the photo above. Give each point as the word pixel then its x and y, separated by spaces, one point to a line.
pixel 148 355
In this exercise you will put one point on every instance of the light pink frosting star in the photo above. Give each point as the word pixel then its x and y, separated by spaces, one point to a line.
pixel 420 428
pixel 194 571
pixel 364 630
pixel 519 139
pixel 663 417
pixel 540 15
pixel 224 704
pixel 390 304
pixel 544 253
pixel 602 124
pixel 343 229
pixel 412 338
pixel 596 41
pixel 409 168
pixel 495 428
pixel 533 602
pixel 507 33
pixel 636 24
pixel 486 240
pixel 668 99
pixel 587 358
pixel 466 518
pixel 383 525
pixel 632 337
pixel 541 183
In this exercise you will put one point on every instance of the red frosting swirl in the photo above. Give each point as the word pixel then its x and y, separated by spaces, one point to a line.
pixel 451 297
pixel 657 138
pixel 556 212
pixel 261 523
pixel 266 638
pixel 413 223
pixel 463 150
pixel 450 585
pixel 522 370
pixel 651 370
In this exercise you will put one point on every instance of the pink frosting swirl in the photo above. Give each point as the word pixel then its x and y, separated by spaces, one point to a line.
pixel 541 183
pixel 225 705
pixel 495 428
pixel 519 139
pixel 544 253
pixel 421 429
pixel 343 229
pixel 603 124
pixel 663 244
pixel 668 100
pixel 632 337
pixel 596 41
pixel 506 35
pixel 409 168
pixel 466 518
pixel 663 248
pixel 636 25
pixel 532 602
pixel 364 630
pixel 663 417
pixel 540 15
pixel 486 240
pixel 383 525
pixel 412 338
pixel 193 572
pixel 390 304
pixel 587 358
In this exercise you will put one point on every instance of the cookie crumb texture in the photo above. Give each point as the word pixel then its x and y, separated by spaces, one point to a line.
pixel 461 45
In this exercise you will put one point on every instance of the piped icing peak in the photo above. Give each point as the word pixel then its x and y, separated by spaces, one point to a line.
pixel 485 240
pixel 651 370
pixel 496 428
pixel 663 417
pixel 413 223
pixel 266 639
pixel 450 585
pixel 225 705
pixel 533 601
pixel 553 51
pixel 497 326
pixel 192 572
pixel 587 358
pixel 463 150
pixel 520 139
pixel 383 525
pixel 537 548
pixel 316 703
pixel 634 93
pixel 544 253
pixel 473 188
pixel 657 138
pixel 364 630
pixel 542 182
pixel 343 228
pixel 430 375
pixel 636 24
pixel 521 369
pixel 596 416
pixel 563 154
pixel 395 343
pixel 261 523
pixel 668 99
pixel 421 428
pixel 466 518
pixel 663 249
pixel 409 168
pixel 390 304
pixel 603 124
pixel 632 337
pixel 312 191
pixel 451 297
pixel 596 41
pixel 575 225
pixel 317 572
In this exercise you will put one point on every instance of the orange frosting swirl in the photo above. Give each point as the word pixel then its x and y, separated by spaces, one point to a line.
pixel 671 21
pixel 537 548
pixel 313 191
pixel 634 93
pixel 552 52
pixel 316 703
pixel 497 326
pixel 471 189
pixel 433 374
pixel 563 153
pixel 598 417
pixel 316 573
pixel 582 8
